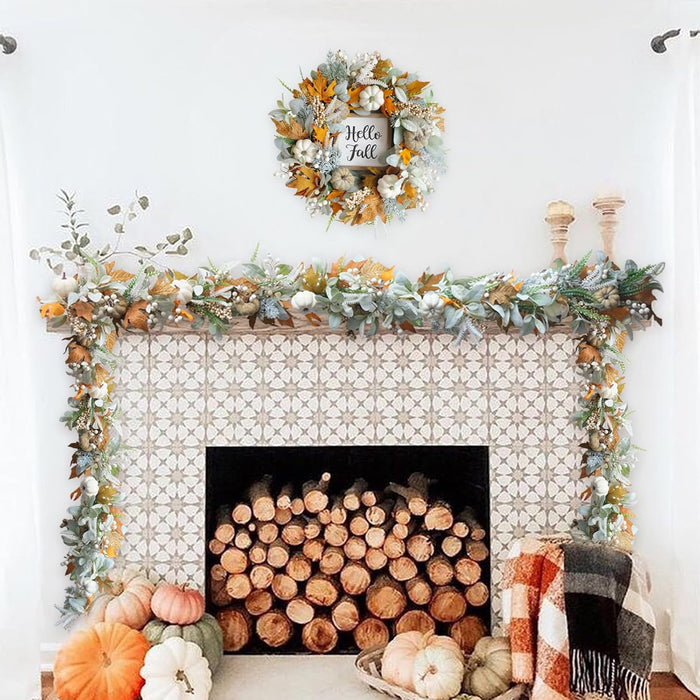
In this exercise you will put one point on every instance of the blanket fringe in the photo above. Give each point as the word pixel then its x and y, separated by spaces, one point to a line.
pixel 593 672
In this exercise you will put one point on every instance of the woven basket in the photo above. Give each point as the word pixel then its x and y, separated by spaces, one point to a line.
pixel 368 666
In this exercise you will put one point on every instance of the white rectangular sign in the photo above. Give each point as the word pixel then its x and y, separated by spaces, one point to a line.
pixel 362 140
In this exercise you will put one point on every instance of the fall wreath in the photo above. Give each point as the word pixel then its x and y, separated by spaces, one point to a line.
pixel 360 139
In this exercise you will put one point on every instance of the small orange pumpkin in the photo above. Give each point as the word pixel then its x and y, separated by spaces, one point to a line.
pixel 127 600
pixel 102 662
pixel 177 605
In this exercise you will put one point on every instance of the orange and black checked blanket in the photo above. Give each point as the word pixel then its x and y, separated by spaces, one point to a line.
pixel 535 615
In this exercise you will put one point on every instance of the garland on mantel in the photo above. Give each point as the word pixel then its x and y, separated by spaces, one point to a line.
pixel 97 301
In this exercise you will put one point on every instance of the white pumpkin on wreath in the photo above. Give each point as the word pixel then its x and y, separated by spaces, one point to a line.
pixel 304 150
pixel 372 98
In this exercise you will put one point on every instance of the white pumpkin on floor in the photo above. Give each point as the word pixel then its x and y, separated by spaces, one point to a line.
pixel 175 670
pixel 489 669
pixel 437 673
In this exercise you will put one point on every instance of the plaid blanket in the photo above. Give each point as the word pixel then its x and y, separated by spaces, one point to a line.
pixel 534 614
pixel 610 622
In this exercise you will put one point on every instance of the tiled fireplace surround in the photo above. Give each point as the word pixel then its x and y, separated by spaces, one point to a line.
pixel 182 392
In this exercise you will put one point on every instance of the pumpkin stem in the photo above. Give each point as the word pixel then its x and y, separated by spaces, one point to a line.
pixel 182 677
pixel 106 661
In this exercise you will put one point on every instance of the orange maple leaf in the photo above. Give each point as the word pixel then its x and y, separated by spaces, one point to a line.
pixel 51 309
pixel 389 106
pixel 305 181
pixel 83 309
pixel 318 87
pixel 293 131
pixel 136 316
pixel 320 133
pixel 415 87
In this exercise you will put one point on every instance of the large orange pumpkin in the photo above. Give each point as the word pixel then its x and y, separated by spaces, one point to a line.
pixel 178 605
pixel 101 663
pixel 127 600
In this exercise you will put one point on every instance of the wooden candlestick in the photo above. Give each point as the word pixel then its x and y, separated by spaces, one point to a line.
pixel 559 217
pixel 608 207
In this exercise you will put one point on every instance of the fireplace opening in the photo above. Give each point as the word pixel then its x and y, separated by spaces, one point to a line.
pixel 334 549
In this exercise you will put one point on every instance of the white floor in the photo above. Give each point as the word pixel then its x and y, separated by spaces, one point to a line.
pixel 289 678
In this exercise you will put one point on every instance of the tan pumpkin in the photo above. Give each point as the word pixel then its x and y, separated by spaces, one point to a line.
pixel 399 657
pixel 178 605
pixel 101 662
pixel 437 673
pixel 126 600
pixel 489 669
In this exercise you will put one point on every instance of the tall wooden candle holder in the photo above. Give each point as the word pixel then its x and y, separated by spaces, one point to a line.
pixel 559 217
pixel 608 207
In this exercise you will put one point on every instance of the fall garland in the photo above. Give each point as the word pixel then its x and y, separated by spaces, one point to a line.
pixel 322 107
pixel 97 301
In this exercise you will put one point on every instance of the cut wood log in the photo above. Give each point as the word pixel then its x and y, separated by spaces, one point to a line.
pixel 476 550
pixel 225 529
pixel 477 594
pixel 345 614
pixel 274 628
pixel 278 554
pixel 236 628
pixel 300 611
pixel 371 632
pixel 355 578
pixel 451 545
pixel 355 548
pixel 218 573
pixel 375 537
pixel 351 499
pixel 261 502
pixel 447 604
pixel 460 528
pixel 216 547
pixel 385 598
pixel 312 529
pixel 339 513
pixel 467 571
pixel 403 569
pixel 284 497
pixel 400 512
pixel 261 576
pixel 218 594
pixel 238 586
pixel 393 546
pixel 332 561
pixel 258 553
pixel 241 513
pixel 297 506
pixel 293 533
pixel 259 602
pixel 370 498
pixel 419 590
pixel 336 535
pixel 283 515
pixel 322 590
pixel 401 531
pixel 476 530
pixel 324 516
pixel 284 587
pixel 440 570
pixel 313 549
pixel 415 494
pixel 319 635
pixel 358 525
pixel 314 493
pixel 234 560
pixel 467 632
pixel 378 514
pixel 375 559
pixel 242 539
pixel 415 621
pixel 420 547
pixel 268 532
pixel 299 567
pixel 438 517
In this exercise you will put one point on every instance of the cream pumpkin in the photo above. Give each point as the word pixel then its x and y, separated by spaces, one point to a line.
pixel 437 673
pixel 489 670
pixel 442 641
pixel 126 600
pixel 399 657
pixel 178 605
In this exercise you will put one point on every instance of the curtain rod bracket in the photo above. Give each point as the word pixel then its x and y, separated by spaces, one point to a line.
pixel 658 43
pixel 8 43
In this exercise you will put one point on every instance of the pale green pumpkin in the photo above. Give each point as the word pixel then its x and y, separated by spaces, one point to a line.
pixel 206 634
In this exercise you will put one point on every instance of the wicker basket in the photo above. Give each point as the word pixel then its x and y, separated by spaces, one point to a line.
pixel 368 665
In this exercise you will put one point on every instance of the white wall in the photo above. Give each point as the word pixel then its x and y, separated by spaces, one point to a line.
pixel 545 100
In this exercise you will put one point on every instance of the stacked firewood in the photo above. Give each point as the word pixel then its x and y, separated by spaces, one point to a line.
pixel 363 562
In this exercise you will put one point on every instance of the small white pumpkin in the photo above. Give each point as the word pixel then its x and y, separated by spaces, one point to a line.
pixel 304 150
pixel 175 670
pixel 342 179
pixel 600 486
pixel 63 285
pixel 431 302
pixel 390 186
pixel 185 291
pixel 304 301
pixel 489 670
pixel 98 391
pixel 90 486
pixel 609 391
pixel 371 98
pixel 437 673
